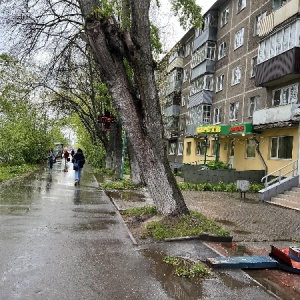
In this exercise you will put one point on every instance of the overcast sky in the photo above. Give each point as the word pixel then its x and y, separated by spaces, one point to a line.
pixel 174 32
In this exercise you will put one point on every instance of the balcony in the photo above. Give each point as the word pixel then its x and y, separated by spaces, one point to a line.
pixel 173 86
pixel 208 66
pixel 278 114
pixel 176 63
pixel 172 110
pixel 210 34
pixel 203 97
pixel 277 17
pixel 283 67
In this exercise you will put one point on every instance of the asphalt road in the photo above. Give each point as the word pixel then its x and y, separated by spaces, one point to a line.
pixel 58 241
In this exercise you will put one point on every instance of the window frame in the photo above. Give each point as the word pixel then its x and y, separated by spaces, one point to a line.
pixel 172 149
pixel 256 105
pixel 250 148
pixel 224 17
pixel 258 19
pixel 241 4
pixel 286 90
pixel 222 50
pixel 233 113
pixel 217 115
pixel 220 83
pixel 189 148
pixel 284 146
pixel 239 38
pixel 180 148
pixel 236 77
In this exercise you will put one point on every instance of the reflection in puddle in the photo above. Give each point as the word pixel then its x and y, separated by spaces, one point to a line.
pixel 177 287
pixel 94 225
pixel 126 196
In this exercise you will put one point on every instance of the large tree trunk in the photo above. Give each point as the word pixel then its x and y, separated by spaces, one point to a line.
pixel 136 175
pixel 117 139
pixel 138 106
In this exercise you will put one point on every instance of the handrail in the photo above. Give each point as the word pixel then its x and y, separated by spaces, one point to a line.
pixel 281 175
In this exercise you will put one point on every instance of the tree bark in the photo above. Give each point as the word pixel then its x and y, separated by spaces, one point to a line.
pixel 137 105
pixel 136 175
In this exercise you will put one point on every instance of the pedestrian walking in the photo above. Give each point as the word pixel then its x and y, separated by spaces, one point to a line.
pixel 78 161
pixel 50 160
pixel 66 157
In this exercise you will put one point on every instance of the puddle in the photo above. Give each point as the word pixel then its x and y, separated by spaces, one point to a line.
pixel 94 225
pixel 94 211
pixel 235 249
pixel 177 288
pixel 126 196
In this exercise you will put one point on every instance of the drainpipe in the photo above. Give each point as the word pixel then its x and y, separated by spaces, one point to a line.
pixel 259 154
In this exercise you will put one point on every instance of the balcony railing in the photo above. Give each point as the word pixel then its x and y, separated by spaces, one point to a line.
pixel 278 17
pixel 176 63
pixel 276 114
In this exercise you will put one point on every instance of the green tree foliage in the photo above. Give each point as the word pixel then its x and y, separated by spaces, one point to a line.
pixel 25 131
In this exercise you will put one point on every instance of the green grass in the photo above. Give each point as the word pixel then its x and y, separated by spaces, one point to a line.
pixel 186 268
pixel 150 211
pixel 120 185
pixel 192 224
pixel 8 172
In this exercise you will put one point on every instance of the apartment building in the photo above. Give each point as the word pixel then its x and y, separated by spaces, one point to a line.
pixel 237 98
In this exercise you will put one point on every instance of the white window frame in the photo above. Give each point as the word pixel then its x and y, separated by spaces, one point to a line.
pixel 236 75
pixel 183 99
pixel 187 49
pixel 279 42
pixel 241 4
pixel 283 143
pixel 239 38
pixel 186 75
pixel 233 111
pixel 257 22
pixel 217 115
pixel 202 83
pixel 254 104
pixel 205 52
pixel 224 16
pixel 253 66
pixel 250 148
pixel 220 83
pixel 172 148
pixel 180 148
pixel 285 95
pixel 222 50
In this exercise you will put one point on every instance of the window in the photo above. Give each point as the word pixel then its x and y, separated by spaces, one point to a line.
pixel 282 147
pixel 180 148
pixel 222 50
pixel 253 66
pixel 257 22
pixel 220 82
pixel 202 83
pixel 278 3
pixel 183 100
pixel 233 111
pixel 201 148
pixel 225 16
pixel 199 114
pixel 187 49
pixel 206 114
pixel 254 104
pixel 285 95
pixel 185 75
pixel 241 5
pixel 172 148
pixel 207 51
pixel 217 115
pixel 283 40
pixel 189 148
pixel 250 148
pixel 239 38
pixel 236 76
pixel 182 123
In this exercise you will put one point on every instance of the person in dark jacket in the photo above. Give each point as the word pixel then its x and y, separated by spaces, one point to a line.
pixel 78 161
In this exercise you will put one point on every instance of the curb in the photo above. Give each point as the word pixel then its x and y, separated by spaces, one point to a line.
pixel 202 237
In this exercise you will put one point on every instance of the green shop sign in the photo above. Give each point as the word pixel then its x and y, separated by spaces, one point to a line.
pixel 243 128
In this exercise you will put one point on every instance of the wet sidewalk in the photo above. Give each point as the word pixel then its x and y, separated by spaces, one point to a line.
pixel 254 226
pixel 58 241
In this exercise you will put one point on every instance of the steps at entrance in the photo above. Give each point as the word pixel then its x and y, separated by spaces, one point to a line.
pixel 289 199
